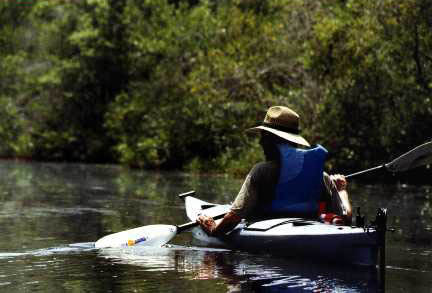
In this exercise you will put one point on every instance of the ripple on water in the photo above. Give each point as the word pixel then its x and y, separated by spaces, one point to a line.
pixel 6 255
pixel 5 283
pixel 65 249
pixel 37 212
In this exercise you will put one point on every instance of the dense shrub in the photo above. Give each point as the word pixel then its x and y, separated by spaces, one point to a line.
pixel 173 84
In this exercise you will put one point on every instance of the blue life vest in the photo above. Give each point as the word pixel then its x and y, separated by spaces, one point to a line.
pixel 300 181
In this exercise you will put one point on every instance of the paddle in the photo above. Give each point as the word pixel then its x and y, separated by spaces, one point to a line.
pixel 418 156
pixel 151 235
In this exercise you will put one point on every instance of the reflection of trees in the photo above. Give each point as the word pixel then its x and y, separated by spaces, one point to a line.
pixel 413 214
pixel 157 193
pixel 74 202
pixel 409 208
pixel 44 204
pixel 110 198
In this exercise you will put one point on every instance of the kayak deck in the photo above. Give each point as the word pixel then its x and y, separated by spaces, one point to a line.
pixel 290 237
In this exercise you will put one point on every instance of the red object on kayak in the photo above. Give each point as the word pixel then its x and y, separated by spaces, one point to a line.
pixel 330 218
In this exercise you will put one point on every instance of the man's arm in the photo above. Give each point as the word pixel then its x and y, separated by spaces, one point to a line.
pixel 228 223
pixel 336 185
pixel 243 205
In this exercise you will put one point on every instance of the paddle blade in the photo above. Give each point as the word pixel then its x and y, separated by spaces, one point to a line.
pixel 151 235
pixel 419 156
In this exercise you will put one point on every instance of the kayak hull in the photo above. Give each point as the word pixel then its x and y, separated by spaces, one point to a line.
pixel 293 237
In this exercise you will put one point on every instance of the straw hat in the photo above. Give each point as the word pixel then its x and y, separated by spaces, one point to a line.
pixel 283 122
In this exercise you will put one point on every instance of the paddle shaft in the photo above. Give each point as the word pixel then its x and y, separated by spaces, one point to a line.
pixel 366 171
pixel 418 156
pixel 186 226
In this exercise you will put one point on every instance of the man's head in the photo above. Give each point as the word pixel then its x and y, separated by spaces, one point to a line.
pixel 283 123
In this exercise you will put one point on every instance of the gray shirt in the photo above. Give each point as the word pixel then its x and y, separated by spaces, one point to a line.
pixel 259 187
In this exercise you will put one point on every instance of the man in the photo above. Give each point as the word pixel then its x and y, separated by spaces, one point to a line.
pixel 288 183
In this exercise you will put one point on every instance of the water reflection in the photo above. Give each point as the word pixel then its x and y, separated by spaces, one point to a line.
pixel 243 272
pixel 46 207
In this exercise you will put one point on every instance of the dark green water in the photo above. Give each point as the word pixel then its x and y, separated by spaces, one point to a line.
pixel 50 215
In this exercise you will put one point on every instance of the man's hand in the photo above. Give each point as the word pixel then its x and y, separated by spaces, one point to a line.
pixel 207 223
pixel 340 181
pixel 344 203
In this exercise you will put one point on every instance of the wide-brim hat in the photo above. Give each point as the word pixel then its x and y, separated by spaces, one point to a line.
pixel 282 122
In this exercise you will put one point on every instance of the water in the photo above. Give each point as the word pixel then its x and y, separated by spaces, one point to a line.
pixel 51 214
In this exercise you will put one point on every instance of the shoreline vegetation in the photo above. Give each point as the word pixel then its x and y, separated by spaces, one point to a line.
pixel 173 84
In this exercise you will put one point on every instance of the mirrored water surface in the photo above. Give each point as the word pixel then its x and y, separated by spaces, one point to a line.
pixel 51 214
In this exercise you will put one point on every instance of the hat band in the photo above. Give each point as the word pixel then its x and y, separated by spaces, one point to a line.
pixel 282 128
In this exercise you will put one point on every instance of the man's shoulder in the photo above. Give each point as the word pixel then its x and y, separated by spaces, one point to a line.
pixel 265 168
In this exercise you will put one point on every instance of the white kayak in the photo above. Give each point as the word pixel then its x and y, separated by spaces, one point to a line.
pixel 290 237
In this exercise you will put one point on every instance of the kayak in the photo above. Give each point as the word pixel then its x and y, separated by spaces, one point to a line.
pixel 292 237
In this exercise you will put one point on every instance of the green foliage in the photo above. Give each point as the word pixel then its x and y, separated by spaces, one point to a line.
pixel 196 72
pixel 372 60
pixel 173 84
